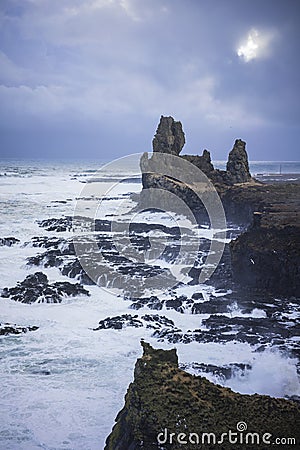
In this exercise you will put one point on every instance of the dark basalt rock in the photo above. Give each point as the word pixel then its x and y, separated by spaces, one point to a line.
pixel 169 137
pixel 267 256
pixel 106 263
pixel 160 324
pixel 151 302
pixel 237 165
pixel 11 329
pixel 56 250
pixel 168 133
pixel 9 241
pixel 73 269
pixel 180 304
pixel 243 326
pixel 202 162
pixel 268 259
pixel 36 288
pixel 119 322
pixel 65 246
pixel 247 330
pixel 277 328
pixel 157 174
pixel 51 258
pixel 156 321
pixel 198 296
pixel 222 276
pixel 220 303
pixel 164 399
pixel 61 224
pixel 175 303
pixel 213 306
pixel 111 269
pixel 67 223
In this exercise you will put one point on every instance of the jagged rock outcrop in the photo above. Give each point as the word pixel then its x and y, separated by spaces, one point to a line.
pixel 169 137
pixel 167 176
pixel 164 399
pixel 237 165
pixel 37 289
pixel 202 162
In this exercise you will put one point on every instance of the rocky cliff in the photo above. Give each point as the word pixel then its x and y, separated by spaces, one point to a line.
pixel 267 255
pixel 167 408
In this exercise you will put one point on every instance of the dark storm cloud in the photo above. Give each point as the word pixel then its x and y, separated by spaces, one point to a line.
pixel 97 74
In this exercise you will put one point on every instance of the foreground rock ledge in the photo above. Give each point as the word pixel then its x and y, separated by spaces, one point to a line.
pixel 164 399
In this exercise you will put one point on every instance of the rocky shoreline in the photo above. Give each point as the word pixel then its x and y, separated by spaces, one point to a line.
pixel 251 298
pixel 261 262
pixel 164 401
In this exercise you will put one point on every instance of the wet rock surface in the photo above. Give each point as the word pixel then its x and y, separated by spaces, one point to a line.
pixel 60 224
pixel 152 321
pixel 230 312
pixel 164 399
pixel 262 322
pixel 119 322
pixel 7 329
pixel 37 289
pixel 9 241
pixel 102 254
pixel 225 372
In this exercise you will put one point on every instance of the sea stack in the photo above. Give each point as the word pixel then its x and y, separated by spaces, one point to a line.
pixel 237 165
pixel 169 137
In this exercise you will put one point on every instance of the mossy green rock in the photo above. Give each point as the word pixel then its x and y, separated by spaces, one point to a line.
pixel 164 399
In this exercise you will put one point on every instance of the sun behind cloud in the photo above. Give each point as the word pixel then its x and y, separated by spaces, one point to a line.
pixel 256 45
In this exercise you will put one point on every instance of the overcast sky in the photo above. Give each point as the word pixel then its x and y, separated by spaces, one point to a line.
pixel 91 78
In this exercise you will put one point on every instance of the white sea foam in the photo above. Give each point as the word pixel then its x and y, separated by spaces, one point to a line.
pixel 271 372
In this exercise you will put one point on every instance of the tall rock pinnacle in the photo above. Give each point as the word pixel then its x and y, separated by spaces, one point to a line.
pixel 237 165
pixel 169 137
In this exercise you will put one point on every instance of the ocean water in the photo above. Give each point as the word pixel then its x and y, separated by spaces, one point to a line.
pixel 267 167
pixel 63 385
